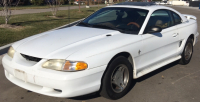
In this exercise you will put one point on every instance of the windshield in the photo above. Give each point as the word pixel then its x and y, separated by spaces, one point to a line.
pixel 125 20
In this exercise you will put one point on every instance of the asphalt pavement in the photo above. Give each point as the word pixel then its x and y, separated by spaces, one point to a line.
pixel 171 83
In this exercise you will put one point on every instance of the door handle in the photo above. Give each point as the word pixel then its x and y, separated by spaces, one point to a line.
pixel 175 34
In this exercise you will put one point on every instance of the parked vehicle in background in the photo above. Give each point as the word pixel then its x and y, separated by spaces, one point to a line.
pixel 163 3
pixel 104 52
pixel 157 3
pixel 77 2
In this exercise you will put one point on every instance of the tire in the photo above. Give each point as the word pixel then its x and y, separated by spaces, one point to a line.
pixel 119 72
pixel 187 52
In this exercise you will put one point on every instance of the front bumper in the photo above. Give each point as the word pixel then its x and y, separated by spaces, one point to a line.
pixel 51 82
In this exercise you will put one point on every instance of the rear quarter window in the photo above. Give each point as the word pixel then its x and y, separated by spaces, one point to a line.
pixel 177 18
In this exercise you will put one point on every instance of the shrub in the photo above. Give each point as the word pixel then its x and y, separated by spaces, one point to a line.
pixel 26 2
pixel 38 2
pixel 64 2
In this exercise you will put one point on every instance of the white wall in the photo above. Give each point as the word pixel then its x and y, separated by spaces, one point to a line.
pixel 179 3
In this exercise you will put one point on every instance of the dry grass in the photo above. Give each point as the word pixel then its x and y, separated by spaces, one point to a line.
pixel 12 27
pixel 22 26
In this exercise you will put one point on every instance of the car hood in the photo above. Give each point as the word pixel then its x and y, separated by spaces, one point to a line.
pixel 69 39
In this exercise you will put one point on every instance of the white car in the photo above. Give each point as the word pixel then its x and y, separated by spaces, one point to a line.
pixel 76 2
pixel 157 3
pixel 162 3
pixel 104 52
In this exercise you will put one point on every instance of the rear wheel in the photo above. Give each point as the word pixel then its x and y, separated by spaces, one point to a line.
pixel 117 79
pixel 187 52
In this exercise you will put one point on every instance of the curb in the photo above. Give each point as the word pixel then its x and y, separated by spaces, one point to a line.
pixel 1 56
pixel 4 49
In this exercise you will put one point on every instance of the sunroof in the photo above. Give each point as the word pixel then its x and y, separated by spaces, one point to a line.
pixel 137 3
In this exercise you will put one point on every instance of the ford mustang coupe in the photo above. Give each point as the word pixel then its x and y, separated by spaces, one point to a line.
pixel 102 53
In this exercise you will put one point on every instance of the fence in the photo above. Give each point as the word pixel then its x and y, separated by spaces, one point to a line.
pixel 194 3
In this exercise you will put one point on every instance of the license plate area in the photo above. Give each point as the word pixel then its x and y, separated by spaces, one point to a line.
pixel 20 74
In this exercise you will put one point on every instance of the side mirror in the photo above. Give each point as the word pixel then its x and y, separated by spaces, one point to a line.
pixel 154 29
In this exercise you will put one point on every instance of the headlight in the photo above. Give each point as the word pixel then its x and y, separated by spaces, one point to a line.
pixel 63 65
pixel 11 52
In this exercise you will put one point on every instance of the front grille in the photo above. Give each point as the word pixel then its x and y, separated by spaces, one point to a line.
pixel 30 58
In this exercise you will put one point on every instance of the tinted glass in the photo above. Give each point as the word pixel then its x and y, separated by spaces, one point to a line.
pixel 160 18
pixel 177 18
pixel 128 20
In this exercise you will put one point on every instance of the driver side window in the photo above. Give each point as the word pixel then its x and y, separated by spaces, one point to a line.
pixel 160 18
pixel 108 15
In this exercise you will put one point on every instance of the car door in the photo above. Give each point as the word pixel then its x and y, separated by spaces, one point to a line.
pixel 180 28
pixel 158 47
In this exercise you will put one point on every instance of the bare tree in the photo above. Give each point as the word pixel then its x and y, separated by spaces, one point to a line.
pixel 79 2
pixel 98 3
pixel 54 5
pixel 6 8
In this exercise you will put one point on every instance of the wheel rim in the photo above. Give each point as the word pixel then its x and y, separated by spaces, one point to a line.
pixel 188 51
pixel 119 78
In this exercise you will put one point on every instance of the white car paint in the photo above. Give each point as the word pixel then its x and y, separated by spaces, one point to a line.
pixel 76 3
pixel 93 46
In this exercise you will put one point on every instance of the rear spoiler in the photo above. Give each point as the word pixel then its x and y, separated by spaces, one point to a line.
pixel 189 16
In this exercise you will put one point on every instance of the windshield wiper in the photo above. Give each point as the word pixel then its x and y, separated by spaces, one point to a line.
pixel 108 27
pixel 86 24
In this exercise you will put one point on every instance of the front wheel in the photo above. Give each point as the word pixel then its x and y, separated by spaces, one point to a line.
pixel 117 79
pixel 187 52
